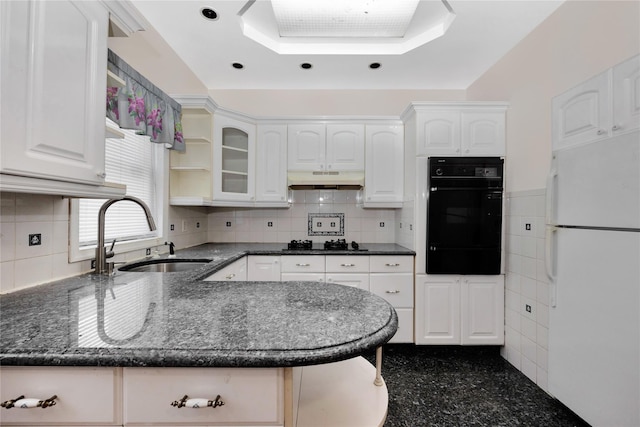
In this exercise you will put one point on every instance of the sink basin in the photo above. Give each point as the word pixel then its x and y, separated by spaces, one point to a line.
pixel 165 265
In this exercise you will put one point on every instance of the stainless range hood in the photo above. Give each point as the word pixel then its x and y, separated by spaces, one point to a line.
pixel 314 180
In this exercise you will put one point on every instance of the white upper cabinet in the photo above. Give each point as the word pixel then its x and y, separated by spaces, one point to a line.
pixel 384 166
pixel 457 129
pixel 233 160
pixel 438 133
pixel 54 89
pixel 581 114
pixel 603 106
pixel 483 133
pixel 306 147
pixel 626 96
pixel 271 165
pixel 320 147
pixel 345 147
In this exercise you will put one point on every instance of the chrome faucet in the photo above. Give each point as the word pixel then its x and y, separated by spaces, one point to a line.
pixel 101 252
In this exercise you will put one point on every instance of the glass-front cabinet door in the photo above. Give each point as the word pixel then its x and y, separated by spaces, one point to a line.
pixel 234 160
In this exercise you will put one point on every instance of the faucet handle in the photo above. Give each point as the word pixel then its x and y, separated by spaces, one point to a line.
pixel 110 253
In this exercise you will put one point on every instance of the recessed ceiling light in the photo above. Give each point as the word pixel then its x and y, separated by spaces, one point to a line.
pixel 306 66
pixel 374 65
pixel 209 13
pixel 237 66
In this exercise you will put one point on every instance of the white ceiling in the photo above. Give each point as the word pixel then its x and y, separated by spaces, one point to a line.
pixel 481 33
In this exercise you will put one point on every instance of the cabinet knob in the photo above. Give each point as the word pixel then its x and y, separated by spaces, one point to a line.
pixel 457 150
pixel 616 127
pixel 466 151
pixel 196 403
pixel 393 292
pixel 28 403
pixel 302 265
pixel 101 174
pixel 392 265
pixel 601 132
pixel 347 265
pixel 230 276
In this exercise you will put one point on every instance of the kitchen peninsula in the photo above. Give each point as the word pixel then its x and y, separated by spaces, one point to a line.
pixel 144 335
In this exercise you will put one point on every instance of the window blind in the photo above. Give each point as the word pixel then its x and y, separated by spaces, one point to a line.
pixel 128 161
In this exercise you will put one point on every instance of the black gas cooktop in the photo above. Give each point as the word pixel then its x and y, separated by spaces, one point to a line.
pixel 329 245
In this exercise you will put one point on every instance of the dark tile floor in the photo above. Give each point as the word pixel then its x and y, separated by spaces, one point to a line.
pixel 440 386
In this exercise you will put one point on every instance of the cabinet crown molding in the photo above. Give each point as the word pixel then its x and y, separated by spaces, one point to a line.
pixel 416 106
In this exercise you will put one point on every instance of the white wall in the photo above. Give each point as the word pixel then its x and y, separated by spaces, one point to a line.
pixel 260 103
pixel 580 39
pixel 526 286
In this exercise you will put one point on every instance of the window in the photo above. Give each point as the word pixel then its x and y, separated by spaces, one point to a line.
pixel 139 164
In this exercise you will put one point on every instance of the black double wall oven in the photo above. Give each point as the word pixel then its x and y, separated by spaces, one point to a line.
pixel 464 215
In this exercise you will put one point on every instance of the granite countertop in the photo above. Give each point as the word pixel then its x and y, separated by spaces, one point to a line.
pixel 179 320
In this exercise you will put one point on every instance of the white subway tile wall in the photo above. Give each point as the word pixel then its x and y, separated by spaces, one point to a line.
pixel 24 216
pixel 527 286
pixel 283 225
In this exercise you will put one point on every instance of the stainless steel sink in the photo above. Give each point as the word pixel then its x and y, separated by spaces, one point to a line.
pixel 175 265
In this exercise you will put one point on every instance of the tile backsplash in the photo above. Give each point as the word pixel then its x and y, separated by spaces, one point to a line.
pixel 22 215
pixel 283 225
pixel 527 286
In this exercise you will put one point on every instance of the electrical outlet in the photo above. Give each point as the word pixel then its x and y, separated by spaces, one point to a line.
pixel 35 239
pixel 148 251
pixel 527 227
pixel 172 227
pixel 382 225
pixel 527 307
pixel 197 225
pixel 93 264
pixel 228 224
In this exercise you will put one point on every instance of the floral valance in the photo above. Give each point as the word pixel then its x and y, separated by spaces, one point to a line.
pixel 140 105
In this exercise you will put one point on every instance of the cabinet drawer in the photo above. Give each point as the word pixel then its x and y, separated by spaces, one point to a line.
pixel 391 264
pixel 395 288
pixel 236 271
pixel 261 268
pixel 405 326
pixel 355 280
pixel 302 277
pixel 249 395
pixel 303 264
pixel 347 264
pixel 85 396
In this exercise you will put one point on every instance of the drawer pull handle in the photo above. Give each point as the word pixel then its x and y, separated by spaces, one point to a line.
pixel 392 265
pixel 347 265
pixel 393 292
pixel 230 276
pixel 302 265
pixel 196 403
pixel 27 403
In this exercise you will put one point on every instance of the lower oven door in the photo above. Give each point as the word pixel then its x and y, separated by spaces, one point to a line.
pixel 464 229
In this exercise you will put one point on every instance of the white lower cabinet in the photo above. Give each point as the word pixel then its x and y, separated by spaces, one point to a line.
pixel 391 277
pixel 236 272
pixel 84 396
pixel 452 309
pixel 251 396
pixel 348 270
pixel 262 268
pixel 303 268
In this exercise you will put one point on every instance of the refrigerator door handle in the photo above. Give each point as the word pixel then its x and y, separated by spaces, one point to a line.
pixel 550 262
pixel 551 193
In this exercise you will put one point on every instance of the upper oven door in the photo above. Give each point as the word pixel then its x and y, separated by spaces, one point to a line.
pixel 464 218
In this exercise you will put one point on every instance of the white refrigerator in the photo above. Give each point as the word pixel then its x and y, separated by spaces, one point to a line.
pixel 593 264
